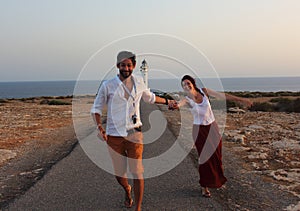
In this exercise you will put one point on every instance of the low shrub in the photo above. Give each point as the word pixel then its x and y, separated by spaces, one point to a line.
pixel 278 104
pixel 265 106
pixel 3 101
pixel 58 102
pixel 264 94
pixel 64 97
pixel 296 105
pixel 281 100
pixel 220 104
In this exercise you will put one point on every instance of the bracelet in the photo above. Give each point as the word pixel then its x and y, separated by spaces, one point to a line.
pixel 167 103
pixel 100 127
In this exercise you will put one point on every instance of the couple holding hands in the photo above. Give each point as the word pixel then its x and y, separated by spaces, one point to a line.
pixel 122 94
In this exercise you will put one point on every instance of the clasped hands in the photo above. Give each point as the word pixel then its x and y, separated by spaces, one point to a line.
pixel 172 105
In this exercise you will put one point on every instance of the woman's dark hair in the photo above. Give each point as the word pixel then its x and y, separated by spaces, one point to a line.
pixel 126 55
pixel 192 80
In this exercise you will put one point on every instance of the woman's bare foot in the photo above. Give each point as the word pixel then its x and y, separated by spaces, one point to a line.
pixel 206 193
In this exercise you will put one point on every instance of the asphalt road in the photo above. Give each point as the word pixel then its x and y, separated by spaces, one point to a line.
pixel 77 183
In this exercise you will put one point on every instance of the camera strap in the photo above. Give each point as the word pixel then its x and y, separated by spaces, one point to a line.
pixel 129 93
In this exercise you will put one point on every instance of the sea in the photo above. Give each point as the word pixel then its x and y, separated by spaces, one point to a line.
pixel 27 89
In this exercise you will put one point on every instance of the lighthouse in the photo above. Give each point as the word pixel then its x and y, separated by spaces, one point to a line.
pixel 144 71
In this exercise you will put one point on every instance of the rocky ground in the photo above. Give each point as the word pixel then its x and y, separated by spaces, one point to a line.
pixel 266 144
pixel 270 145
pixel 34 136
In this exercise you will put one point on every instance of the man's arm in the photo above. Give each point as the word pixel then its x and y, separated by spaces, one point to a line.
pixel 96 111
pixel 160 100
pixel 151 98
pixel 97 119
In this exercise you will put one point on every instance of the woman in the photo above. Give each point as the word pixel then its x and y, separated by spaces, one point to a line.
pixel 206 133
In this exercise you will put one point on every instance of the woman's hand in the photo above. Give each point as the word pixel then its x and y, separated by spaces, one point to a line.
pixel 249 103
pixel 246 102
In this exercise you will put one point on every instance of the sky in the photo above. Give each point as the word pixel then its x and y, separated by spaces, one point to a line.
pixel 54 39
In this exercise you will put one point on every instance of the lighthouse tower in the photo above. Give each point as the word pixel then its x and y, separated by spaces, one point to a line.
pixel 144 71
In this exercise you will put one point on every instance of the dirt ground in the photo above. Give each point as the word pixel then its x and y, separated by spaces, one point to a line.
pixel 33 137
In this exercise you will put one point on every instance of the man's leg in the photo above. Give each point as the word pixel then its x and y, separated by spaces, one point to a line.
pixel 138 183
pixel 123 181
pixel 134 147
pixel 119 159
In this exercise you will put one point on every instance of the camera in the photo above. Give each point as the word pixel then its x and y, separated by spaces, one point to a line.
pixel 134 118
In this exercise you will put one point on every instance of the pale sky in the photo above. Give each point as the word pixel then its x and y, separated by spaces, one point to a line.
pixel 53 39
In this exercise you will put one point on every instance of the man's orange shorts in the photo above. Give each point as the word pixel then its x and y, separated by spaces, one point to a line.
pixel 123 149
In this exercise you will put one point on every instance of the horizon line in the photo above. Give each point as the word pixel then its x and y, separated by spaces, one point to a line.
pixel 61 80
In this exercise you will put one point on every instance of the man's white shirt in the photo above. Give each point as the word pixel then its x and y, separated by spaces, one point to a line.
pixel 120 110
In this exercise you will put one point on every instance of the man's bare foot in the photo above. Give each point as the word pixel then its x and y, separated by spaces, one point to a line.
pixel 128 200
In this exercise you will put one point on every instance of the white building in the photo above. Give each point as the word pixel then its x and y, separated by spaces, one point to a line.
pixel 144 71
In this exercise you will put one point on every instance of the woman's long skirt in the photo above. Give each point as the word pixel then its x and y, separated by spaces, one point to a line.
pixel 208 142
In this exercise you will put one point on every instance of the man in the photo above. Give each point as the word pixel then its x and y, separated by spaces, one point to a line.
pixel 123 135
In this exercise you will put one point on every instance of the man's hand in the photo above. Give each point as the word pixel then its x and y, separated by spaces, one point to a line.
pixel 102 134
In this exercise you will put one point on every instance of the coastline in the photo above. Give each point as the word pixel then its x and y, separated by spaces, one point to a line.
pixel 42 134
pixel 20 89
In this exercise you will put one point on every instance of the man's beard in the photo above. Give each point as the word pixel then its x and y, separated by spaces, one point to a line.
pixel 125 74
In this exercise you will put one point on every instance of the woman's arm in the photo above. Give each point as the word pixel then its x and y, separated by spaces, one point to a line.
pixel 224 96
pixel 177 105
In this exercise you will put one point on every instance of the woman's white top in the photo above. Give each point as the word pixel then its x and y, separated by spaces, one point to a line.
pixel 202 112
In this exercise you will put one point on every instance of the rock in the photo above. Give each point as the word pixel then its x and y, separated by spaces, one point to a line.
pixel 44 102
pixel 236 110
pixel 6 154
pixel 247 130
pixel 283 175
pixel 240 149
pixel 286 144
pixel 258 155
pixel 293 207
pixel 234 136
pixel 255 166
pixel 256 127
